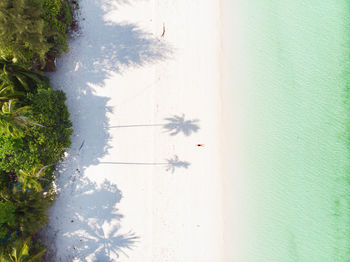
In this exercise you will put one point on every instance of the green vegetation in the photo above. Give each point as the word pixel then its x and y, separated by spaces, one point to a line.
pixel 58 16
pixel 43 139
pixel 32 30
pixel 22 251
pixel 34 121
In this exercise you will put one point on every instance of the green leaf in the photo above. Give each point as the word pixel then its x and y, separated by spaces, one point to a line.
pixel 23 83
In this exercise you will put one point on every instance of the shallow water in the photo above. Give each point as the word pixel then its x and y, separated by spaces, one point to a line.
pixel 293 151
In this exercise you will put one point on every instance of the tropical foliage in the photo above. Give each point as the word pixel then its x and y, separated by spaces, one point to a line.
pixel 21 251
pixel 16 78
pixel 58 17
pixel 34 121
pixel 29 30
pixel 13 119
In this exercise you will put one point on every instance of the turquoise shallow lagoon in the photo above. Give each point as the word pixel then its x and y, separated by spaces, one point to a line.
pixel 294 134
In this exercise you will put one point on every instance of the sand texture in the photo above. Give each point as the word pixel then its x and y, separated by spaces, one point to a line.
pixel 143 87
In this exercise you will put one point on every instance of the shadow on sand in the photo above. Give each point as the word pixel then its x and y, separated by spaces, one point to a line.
pixel 177 124
pixel 92 223
pixel 171 164
pixel 101 49
pixel 174 125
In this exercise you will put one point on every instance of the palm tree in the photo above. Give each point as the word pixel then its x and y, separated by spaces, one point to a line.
pixel 14 120
pixel 30 180
pixel 20 78
pixel 8 92
pixel 20 252
pixel 31 210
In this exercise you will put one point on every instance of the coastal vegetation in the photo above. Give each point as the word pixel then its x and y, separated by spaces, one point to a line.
pixel 32 30
pixel 34 121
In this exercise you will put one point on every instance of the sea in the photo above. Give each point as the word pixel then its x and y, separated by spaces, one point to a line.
pixel 292 132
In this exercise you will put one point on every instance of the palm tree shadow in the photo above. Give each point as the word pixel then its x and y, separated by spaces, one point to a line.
pixel 170 165
pixel 175 125
pixel 114 47
pixel 93 226
pixel 174 163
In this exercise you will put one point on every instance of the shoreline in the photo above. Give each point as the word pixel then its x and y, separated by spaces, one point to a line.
pixel 233 175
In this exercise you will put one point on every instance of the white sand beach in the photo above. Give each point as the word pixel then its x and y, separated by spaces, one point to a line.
pixel 143 85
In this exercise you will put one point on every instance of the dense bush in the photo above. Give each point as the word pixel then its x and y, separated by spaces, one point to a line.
pixel 23 35
pixel 24 193
pixel 29 30
pixel 7 218
pixel 34 121
pixel 24 213
pixel 40 145
pixel 30 212
pixel 58 17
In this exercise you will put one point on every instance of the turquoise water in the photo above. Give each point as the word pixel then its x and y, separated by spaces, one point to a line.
pixel 294 144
